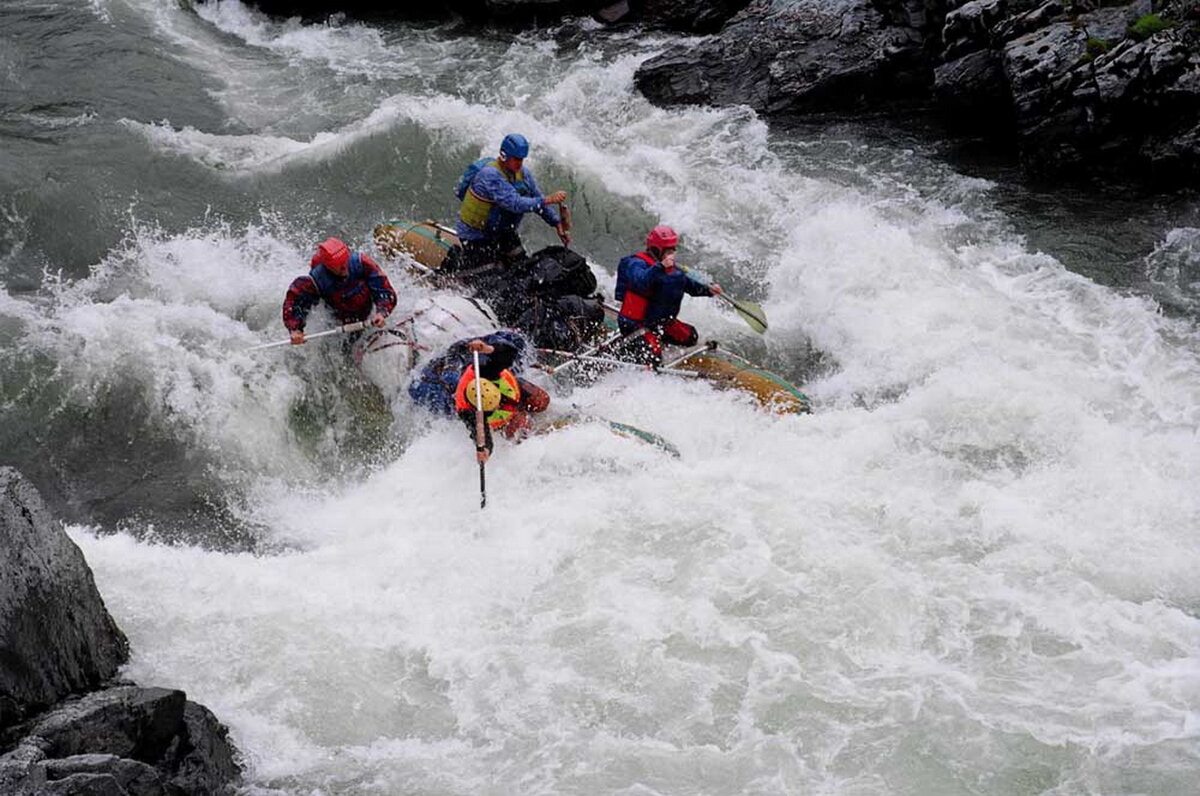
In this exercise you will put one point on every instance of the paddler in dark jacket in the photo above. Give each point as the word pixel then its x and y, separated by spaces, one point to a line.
pixel 350 283
pixel 447 386
pixel 651 288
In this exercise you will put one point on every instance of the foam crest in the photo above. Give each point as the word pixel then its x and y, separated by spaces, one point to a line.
pixel 1174 268
pixel 248 152
pixel 167 314
pixel 977 556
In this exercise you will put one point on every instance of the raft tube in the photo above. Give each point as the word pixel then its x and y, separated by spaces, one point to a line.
pixel 728 370
pixel 427 242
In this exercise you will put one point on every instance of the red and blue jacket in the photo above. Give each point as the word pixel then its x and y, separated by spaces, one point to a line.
pixel 650 293
pixel 351 297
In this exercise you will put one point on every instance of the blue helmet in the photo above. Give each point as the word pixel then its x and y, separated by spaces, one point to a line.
pixel 514 145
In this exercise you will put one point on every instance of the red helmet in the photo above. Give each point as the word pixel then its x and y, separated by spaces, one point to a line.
pixel 662 238
pixel 332 252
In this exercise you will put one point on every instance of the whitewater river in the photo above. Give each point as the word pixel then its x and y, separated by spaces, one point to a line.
pixel 975 569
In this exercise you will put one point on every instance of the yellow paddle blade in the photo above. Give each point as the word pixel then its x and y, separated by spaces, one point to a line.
pixel 750 312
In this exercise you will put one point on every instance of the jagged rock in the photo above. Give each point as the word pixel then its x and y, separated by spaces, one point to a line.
pixel 691 15
pixel 21 770
pixel 203 760
pixel 56 636
pixel 140 741
pixel 805 56
pixel 970 26
pixel 136 778
pixel 126 721
pixel 1027 21
pixel 974 91
pixel 1061 77
pixel 84 785
pixel 1134 104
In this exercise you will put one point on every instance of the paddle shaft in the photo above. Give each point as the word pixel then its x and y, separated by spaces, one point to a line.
pixel 751 313
pixel 480 434
pixel 357 326
pixel 609 361
pixel 615 340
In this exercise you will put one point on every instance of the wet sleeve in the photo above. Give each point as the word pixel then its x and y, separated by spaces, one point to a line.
pixel 301 297
pixel 382 293
pixel 491 185
pixel 549 213
pixel 694 287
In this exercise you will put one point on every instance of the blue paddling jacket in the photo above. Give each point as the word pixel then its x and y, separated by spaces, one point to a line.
pixel 649 292
pixel 495 200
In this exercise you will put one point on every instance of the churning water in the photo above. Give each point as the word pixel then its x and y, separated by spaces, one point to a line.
pixel 972 570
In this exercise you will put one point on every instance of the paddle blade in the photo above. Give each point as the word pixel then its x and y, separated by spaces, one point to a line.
pixel 750 312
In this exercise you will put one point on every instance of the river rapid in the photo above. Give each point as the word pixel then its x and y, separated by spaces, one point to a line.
pixel 973 569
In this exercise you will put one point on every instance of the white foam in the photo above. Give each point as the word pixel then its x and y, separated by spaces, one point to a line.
pixel 240 153
pixel 972 568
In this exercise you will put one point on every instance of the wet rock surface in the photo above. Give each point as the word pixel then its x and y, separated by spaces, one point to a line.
pixel 65 726
pixel 703 16
pixel 1075 84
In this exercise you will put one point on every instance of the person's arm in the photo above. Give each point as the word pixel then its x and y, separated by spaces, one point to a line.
pixel 491 185
pixel 301 297
pixel 694 287
pixel 548 210
pixel 382 293
pixel 507 348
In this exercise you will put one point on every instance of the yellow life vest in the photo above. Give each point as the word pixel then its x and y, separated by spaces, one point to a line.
pixel 475 210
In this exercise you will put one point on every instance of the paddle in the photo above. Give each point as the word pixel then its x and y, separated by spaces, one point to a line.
pixel 614 340
pixel 750 312
pixel 357 326
pixel 602 361
pixel 480 436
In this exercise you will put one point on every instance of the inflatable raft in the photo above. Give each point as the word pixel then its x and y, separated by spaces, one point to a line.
pixel 428 244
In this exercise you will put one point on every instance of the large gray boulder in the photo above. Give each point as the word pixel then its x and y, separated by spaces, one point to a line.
pixel 801 56
pixel 125 740
pixel 57 641
pixel 56 637
pixel 1076 84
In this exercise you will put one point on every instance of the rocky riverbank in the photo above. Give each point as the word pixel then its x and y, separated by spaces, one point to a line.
pixel 1078 85
pixel 67 726
pixel 1074 86
pixel 705 16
